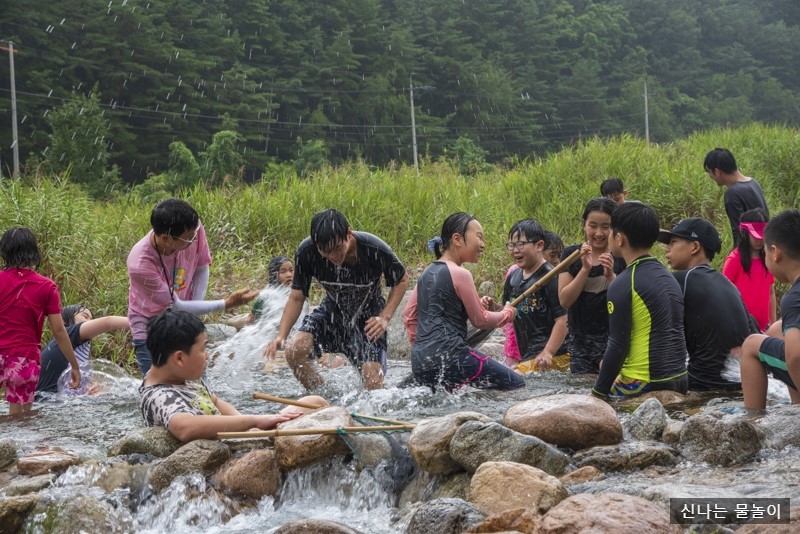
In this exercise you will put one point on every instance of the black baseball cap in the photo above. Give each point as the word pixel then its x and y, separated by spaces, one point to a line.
pixel 694 229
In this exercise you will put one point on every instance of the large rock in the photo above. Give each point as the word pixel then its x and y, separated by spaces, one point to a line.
pixel 372 449
pixel 154 440
pixel 718 440
pixel 781 426
pixel 300 451
pixel 475 443
pixel 14 511
pixel 420 488
pixel 46 460
pixel 8 453
pixel 647 421
pixel 199 456
pixel 315 526
pixel 500 486
pixel 606 512
pixel 253 475
pixel 627 456
pixel 26 485
pixel 522 520
pixel 573 421
pixel 792 528
pixel 78 515
pixel 114 473
pixel 672 432
pixel 444 516
pixel 429 443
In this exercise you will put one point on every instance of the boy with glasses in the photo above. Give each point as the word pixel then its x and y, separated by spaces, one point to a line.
pixel 169 268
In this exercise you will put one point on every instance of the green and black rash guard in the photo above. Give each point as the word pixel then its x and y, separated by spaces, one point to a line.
pixel 645 327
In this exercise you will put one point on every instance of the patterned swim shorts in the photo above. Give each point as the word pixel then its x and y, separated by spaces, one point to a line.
pixel 19 375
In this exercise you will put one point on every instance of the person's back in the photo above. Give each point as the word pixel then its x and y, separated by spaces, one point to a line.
pixel 715 322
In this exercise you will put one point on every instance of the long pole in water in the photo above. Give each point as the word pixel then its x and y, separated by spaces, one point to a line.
pixel 311 431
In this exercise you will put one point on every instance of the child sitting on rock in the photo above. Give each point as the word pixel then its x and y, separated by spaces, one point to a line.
pixel 174 395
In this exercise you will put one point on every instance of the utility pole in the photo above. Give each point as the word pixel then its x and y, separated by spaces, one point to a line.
pixel 15 141
pixel 646 115
pixel 413 123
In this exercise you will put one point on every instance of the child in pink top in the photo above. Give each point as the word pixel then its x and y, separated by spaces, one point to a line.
pixel 26 298
pixel 745 267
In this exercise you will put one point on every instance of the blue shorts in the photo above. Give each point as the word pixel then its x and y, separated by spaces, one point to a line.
pixel 772 354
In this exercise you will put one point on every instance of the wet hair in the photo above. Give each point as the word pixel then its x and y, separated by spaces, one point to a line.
pixel 274 268
pixel 173 217
pixel 783 231
pixel 553 240
pixel 606 205
pixel 745 252
pixel 328 228
pixel 530 228
pixel 722 159
pixel 19 249
pixel 639 223
pixel 456 223
pixel 612 186
pixel 171 331
pixel 68 313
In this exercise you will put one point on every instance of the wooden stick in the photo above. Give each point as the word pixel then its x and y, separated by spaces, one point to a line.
pixel 479 336
pixel 309 431
pixel 282 400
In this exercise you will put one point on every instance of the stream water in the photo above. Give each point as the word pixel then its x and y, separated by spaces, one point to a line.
pixel 335 490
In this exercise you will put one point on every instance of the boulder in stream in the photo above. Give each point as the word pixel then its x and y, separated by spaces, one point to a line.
pixel 8 453
pixel 254 475
pixel 647 421
pixel 315 526
pixel 444 516
pixel 198 456
pixel 429 443
pixel 153 440
pixel 500 486
pixel 607 512
pixel 719 440
pixel 627 456
pixel 46 460
pixel 301 451
pixel 14 511
pixel 568 420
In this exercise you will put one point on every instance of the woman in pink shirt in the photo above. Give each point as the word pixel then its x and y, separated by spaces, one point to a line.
pixel 745 267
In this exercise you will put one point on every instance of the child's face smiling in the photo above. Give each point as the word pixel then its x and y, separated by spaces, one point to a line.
pixel 597 228
pixel 527 254
pixel 473 242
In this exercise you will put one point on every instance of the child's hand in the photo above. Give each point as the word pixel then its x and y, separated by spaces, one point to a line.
pixel 607 261
pixel 375 327
pixel 513 309
pixel 271 350
pixel 75 378
pixel 488 303
pixel 242 296
pixel 586 259
pixel 267 422
pixel 543 361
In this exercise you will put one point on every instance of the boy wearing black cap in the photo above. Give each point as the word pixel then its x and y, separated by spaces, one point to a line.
pixel 691 245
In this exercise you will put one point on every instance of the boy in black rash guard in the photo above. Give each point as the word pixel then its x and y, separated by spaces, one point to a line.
pixel 710 338
pixel 541 323
pixel 646 345
pixel 778 355
pixel 353 316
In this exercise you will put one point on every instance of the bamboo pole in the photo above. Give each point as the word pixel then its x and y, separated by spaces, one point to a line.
pixel 310 431
pixel 281 400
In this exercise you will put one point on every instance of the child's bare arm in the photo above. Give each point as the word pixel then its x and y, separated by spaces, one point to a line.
pixel 94 327
pixel 187 427
pixel 225 407
pixel 792 347
pixel 62 339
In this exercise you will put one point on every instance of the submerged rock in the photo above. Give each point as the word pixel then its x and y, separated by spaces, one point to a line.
pixel 315 526
pixel 718 440
pixel 444 516
pixel 420 488
pixel 78 514
pixel 522 520
pixel 25 485
pixel 300 451
pixel 14 511
pixel 781 426
pixel 254 475
pixel 475 443
pixel 500 486
pixel 46 460
pixel 647 421
pixel 627 456
pixel 672 432
pixel 199 456
pixel 154 440
pixel 573 421
pixel 583 474
pixel 429 443
pixel 607 512
pixel 8 452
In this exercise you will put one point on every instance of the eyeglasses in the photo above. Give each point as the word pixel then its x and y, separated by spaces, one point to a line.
pixel 187 241
pixel 512 245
